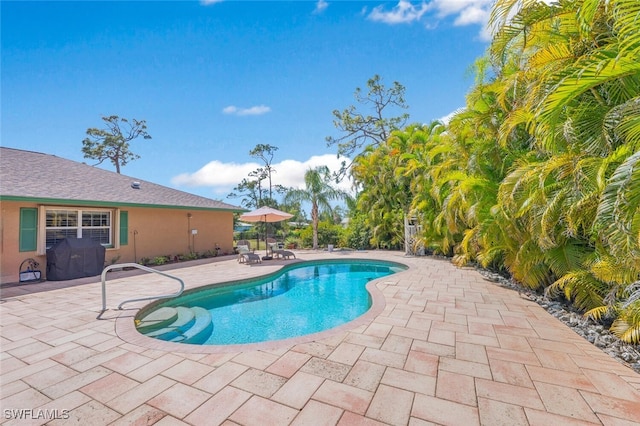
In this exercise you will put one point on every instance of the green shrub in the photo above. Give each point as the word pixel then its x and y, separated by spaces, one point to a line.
pixel 292 242
pixel 160 260
pixel 328 233
pixel 192 256
pixel 357 235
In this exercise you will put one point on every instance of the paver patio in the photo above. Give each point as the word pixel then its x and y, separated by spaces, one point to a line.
pixel 441 346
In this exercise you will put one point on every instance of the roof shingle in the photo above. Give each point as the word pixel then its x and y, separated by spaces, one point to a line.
pixel 35 175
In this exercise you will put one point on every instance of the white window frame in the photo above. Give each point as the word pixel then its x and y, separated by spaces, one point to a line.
pixel 114 235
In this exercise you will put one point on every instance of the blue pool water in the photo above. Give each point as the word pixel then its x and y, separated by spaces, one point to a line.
pixel 301 299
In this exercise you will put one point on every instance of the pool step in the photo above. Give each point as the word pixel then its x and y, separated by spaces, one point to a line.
pixel 160 318
pixel 200 331
pixel 180 324
pixel 184 321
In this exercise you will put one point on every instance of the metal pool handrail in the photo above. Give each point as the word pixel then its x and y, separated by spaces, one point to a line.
pixel 144 268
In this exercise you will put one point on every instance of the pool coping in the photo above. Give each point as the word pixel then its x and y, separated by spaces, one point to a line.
pixel 126 330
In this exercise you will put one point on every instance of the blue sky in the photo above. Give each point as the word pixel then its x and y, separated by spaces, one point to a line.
pixel 214 79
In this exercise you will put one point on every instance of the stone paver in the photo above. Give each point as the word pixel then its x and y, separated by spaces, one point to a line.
pixel 440 345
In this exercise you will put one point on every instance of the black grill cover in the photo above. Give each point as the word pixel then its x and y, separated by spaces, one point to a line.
pixel 74 258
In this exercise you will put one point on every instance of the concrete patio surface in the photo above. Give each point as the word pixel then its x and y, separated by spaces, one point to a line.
pixel 446 347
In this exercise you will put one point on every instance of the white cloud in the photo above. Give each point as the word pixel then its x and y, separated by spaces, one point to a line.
pixel 208 2
pixel 223 177
pixel 466 12
pixel 402 13
pixel 455 7
pixel 485 33
pixel 471 12
pixel 429 13
pixel 472 15
pixel 254 110
pixel 321 5
pixel 447 118
pixel 216 174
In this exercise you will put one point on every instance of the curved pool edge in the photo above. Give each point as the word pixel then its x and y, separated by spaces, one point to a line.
pixel 126 330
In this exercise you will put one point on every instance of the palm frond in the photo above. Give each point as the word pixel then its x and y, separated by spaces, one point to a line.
pixel 580 287
pixel 619 210
pixel 529 267
pixel 568 256
pixel 586 14
pixel 613 270
pixel 627 325
pixel 586 74
pixel 626 122
pixel 626 13
pixel 600 312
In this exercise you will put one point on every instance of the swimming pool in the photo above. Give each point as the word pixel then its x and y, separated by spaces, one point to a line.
pixel 302 298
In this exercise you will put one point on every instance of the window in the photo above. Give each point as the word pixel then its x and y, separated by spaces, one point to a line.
pixel 93 224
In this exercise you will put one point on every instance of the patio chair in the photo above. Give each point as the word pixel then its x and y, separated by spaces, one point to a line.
pixel 277 249
pixel 246 254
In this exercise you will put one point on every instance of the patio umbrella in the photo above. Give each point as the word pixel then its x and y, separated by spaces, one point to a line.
pixel 266 214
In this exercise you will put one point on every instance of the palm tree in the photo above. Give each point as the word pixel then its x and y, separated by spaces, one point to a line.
pixel 319 192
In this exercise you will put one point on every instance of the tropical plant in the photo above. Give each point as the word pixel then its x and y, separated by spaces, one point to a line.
pixel 577 196
pixel 540 173
pixel 328 233
pixel 319 193
pixel 385 196
pixel 358 234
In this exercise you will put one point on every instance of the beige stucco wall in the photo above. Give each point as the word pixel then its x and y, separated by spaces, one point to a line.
pixel 10 257
pixel 156 232
pixel 152 232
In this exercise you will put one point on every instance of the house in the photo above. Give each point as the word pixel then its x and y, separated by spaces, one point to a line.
pixel 44 198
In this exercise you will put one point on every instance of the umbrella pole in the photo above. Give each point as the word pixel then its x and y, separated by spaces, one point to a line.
pixel 266 235
pixel 258 240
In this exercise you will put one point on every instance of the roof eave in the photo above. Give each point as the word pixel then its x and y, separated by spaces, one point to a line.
pixel 99 203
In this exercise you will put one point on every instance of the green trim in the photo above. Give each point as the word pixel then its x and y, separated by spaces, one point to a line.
pixel 124 228
pixel 28 229
pixel 91 203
